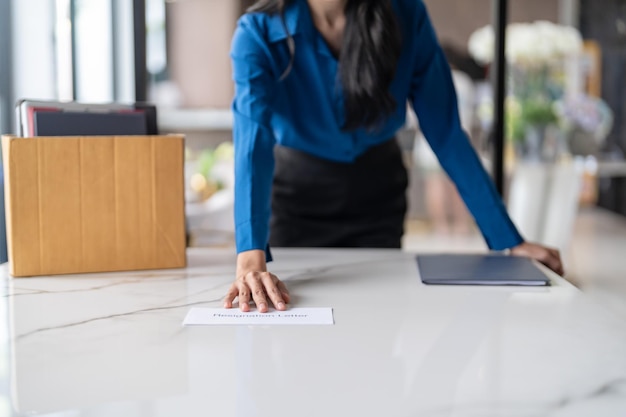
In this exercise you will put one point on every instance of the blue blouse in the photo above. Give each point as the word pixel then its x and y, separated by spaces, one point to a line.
pixel 305 111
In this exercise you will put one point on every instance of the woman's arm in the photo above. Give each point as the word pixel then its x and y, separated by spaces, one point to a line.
pixel 254 166
pixel 435 103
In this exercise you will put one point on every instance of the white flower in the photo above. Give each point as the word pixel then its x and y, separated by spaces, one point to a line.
pixel 524 44
pixel 528 43
pixel 568 42
pixel 481 45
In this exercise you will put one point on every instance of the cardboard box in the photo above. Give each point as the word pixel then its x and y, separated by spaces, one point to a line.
pixel 94 203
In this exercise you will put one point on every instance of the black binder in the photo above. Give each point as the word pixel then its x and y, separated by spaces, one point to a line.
pixel 89 124
pixel 52 118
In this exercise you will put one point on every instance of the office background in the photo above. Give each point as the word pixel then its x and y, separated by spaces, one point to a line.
pixel 85 50
pixel 175 54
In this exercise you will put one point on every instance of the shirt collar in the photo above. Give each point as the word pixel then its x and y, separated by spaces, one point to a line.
pixel 294 15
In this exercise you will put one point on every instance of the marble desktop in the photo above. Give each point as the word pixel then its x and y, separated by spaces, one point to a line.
pixel 113 345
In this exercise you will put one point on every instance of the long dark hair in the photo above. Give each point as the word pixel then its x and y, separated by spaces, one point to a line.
pixel 368 58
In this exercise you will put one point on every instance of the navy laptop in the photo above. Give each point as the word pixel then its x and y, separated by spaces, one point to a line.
pixel 476 269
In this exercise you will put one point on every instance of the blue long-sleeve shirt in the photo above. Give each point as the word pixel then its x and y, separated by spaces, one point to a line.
pixel 305 111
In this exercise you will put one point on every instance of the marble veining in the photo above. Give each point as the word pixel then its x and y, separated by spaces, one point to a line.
pixel 20 291
pixel 112 344
pixel 130 313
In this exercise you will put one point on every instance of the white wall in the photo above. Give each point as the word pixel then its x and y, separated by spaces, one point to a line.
pixel 199 40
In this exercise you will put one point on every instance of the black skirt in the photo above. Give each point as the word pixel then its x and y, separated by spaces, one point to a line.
pixel 321 203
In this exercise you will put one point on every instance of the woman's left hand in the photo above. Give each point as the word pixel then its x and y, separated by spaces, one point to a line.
pixel 548 256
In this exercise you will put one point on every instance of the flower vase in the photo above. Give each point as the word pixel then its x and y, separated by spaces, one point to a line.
pixel 544 143
pixel 533 143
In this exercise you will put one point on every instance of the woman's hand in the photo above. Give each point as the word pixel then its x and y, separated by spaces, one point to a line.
pixel 548 256
pixel 254 283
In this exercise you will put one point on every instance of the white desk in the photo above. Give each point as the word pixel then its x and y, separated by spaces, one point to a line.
pixel 113 345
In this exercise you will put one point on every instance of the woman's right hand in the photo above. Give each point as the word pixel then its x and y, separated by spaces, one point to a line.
pixel 255 283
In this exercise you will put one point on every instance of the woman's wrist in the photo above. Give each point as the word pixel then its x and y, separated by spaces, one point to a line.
pixel 252 260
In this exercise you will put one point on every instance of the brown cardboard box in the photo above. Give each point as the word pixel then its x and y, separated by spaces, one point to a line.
pixel 94 204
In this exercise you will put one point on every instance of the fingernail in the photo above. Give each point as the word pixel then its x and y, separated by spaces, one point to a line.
pixel 262 306
pixel 281 305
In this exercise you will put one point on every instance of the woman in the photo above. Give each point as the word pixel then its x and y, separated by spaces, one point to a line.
pixel 326 81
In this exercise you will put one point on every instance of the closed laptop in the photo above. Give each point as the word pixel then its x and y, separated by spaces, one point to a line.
pixel 479 269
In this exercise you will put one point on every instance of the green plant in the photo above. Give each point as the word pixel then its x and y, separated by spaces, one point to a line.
pixel 538 112
pixel 206 161
pixel 514 121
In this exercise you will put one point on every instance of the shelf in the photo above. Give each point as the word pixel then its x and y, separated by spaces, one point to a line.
pixel 611 169
pixel 184 120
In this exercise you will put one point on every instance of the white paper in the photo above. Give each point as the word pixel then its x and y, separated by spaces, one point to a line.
pixel 222 316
